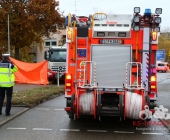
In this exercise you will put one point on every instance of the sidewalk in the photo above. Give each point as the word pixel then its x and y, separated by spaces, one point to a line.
pixel 16 111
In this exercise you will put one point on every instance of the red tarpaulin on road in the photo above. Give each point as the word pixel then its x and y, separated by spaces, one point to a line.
pixel 31 73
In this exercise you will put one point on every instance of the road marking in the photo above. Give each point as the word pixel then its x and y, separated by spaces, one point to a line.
pixel 97 130
pixel 152 133
pixel 58 109
pixel 17 128
pixel 41 129
pixel 69 129
pixel 43 108
pixel 123 132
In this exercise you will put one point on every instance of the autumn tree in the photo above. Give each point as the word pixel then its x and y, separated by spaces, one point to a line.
pixel 30 21
pixel 164 43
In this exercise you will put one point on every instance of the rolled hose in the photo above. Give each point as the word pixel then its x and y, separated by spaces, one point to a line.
pixel 133 105
pixel 86 103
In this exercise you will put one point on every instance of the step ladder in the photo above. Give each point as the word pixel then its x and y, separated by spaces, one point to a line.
pixel 81 78
pixel 137 86
pixel 85 48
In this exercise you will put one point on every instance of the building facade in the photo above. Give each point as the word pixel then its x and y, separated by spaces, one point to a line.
pixel 54 40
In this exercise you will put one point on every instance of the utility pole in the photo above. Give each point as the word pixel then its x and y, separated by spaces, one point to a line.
pixel 8 34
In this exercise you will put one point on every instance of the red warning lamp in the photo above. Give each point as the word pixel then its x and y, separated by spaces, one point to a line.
pixel 154 36
pixel 69 34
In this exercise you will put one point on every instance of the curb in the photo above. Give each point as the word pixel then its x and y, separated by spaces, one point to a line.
pixel 33 105
pixel 45 100
pixel 26 109
pixel 13 116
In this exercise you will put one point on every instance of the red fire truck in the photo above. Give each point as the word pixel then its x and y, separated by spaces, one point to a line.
pixel 111 64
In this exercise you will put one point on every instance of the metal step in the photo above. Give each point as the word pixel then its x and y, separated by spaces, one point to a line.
pixel 82 48
pixel 109 111
pixel 110 108
pixel 81 59
pixel 80 80
pixel 82 70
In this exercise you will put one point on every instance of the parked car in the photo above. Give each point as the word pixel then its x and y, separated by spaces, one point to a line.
pixel 162 67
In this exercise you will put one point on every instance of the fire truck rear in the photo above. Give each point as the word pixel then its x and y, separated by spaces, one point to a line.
pixel 111 64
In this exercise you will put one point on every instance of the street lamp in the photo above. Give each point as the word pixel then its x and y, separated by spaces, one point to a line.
pixel 9 33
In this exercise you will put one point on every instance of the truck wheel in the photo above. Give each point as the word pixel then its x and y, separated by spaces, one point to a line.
pixel 148 101
pixel 72 106
pixel 99 104
pixel 120 106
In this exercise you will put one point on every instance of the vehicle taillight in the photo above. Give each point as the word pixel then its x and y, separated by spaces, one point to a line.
pixel 68 82
pixel 68 76
pixel 153 84
pixel 152 87
pixel 153 79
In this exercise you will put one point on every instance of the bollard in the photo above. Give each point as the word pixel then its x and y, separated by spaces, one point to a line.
pixel 58 79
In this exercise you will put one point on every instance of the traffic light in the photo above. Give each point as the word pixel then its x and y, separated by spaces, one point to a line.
pixel 169 53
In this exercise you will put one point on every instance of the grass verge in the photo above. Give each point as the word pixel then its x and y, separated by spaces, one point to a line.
pixel 35 96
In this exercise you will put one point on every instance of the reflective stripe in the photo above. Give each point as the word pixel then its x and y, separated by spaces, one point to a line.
pixel 4 65
pixel 5 73
pixel 7 83
pixel 9 72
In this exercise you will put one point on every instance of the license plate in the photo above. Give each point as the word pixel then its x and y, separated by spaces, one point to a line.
pixel 49 73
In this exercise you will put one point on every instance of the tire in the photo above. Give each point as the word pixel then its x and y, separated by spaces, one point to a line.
pixel 72 106
pixel 99 104
pixel 120 106
pixel 148 101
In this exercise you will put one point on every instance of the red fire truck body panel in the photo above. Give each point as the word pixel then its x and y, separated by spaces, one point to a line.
pixel 111 65
pixel 130 41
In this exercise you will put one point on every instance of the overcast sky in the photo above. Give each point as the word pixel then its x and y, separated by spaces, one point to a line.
pixel 86 7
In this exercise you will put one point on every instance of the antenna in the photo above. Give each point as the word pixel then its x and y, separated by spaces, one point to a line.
pixel 75 8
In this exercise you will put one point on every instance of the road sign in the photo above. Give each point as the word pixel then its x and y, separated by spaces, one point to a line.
pixel 161 55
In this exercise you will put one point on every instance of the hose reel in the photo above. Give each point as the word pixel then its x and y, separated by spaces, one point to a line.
pixel 133 105
pixel 86 103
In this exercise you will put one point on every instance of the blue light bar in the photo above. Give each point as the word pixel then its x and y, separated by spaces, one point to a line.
pixel 147 11
pixel 66 21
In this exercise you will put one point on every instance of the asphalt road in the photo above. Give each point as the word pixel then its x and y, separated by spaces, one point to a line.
pixel 49 121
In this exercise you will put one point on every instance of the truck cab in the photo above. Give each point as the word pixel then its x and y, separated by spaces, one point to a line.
pixel 56 57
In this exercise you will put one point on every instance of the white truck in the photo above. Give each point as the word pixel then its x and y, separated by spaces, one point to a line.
pixel 56 57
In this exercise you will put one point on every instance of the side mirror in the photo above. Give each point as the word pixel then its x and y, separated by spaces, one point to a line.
pixel 45 55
